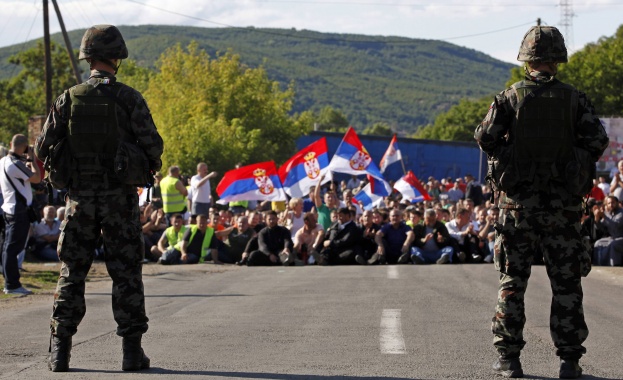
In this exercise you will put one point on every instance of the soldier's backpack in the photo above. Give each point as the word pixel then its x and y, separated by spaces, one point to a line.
pixel 541 150
pixel 59 165
pixel 131 163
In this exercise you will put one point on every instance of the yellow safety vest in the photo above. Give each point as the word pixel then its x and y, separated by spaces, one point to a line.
pixel 172 200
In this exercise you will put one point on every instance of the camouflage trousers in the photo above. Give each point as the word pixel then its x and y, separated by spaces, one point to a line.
pixel 116 218
pixel 520 235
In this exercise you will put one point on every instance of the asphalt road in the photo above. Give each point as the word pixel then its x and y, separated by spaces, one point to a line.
pixel 318 323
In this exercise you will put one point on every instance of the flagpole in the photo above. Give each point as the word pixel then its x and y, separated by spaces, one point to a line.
pixel 402 162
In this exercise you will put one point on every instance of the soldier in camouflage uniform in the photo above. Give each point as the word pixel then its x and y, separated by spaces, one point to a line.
pixel 533 135
pixel 91 117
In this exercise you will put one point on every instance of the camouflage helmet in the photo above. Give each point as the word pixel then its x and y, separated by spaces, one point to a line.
pixel 103 42
pixel 543 44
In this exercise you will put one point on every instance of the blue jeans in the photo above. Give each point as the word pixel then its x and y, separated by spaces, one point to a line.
pixel 16 234
pixel 431 257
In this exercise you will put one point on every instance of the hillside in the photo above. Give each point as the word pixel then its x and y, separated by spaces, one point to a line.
pixel 404 82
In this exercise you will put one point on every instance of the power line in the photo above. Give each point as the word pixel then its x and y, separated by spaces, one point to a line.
pixel 21 49
pixel 404 40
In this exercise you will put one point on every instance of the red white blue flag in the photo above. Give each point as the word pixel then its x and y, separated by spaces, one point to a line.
pixel 256 182
pixel 391 155
pixel 352 158
pixel 372 194
pixel 411 188
pixel 304 169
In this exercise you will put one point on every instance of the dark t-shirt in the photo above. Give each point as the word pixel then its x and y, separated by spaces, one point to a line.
pixel 395 237
pixel 194 246
pixel 237 241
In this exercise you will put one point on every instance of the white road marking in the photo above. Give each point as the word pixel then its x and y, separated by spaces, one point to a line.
pixel 391 338
pixel 392 272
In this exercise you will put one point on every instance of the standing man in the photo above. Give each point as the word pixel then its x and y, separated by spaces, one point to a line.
pixel 91 116
pixel 17 172
pixel 532 134
pixel 201 191
pixel 174 193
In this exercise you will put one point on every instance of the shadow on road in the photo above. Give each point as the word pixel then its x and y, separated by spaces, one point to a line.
pixel 176 295
pixel 250 375
pixel 291 376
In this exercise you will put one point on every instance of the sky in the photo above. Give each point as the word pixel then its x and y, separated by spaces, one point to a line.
pixel 494 27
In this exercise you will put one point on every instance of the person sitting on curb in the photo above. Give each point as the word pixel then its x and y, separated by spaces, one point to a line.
pixel 342 240
pixel 394 240
pixel 275 245
pixel 432 242
pixel 197 243
pixel 171 238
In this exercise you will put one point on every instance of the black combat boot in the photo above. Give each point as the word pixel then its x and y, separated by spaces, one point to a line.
pixel 134 358
pixel 60 352
pixel 569 369
pixel 508 367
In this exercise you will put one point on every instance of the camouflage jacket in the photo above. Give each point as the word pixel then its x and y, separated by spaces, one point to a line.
pixel 492 133
pixel 141 125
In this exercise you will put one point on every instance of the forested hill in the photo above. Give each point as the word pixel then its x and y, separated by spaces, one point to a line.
pixel 401 81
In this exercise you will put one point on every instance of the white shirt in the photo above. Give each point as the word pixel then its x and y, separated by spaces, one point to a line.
pixel 201 193
pixel 605 187
pixel 456 232
pixel 295 224
pixel 42 228
pixel 19 174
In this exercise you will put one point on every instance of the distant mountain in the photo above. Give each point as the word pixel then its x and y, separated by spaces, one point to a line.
pixel 401 81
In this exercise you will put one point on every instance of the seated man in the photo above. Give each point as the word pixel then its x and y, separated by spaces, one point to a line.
pixel 238 239
pixel 308 239
pixel 342 241
pixel 46 235
pixel 464 233
pixel 432 242
pixel 198 242
pixel 609 250
pixel 368 234
pixel 393 240
pixel 274 244
pixel 154 224
pixel 171 238
pixel 486 231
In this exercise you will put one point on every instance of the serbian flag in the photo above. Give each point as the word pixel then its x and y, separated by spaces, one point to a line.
pixel 391 155
pixel 411 188
pixel 257 182
pixel 304 169
pixel 352 158
pixel 372 194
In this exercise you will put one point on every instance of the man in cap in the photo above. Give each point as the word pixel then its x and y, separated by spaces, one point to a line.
pixel 541 137
pixel 93 117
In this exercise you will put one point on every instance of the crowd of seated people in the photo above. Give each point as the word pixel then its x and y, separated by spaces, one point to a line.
pixel 327 228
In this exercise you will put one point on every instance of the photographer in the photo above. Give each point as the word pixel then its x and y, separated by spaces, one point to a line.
pixel 17 172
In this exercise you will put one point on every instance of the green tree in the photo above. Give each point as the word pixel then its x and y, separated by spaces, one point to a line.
pixel 219 111
pixel 134 76
pixel 597 69
pixel 331 120
pixel 24 94
pixel 459 123
pixel 517 74
pixel 378 129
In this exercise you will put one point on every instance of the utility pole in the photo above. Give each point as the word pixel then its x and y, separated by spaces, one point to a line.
pixel 47 56
pixel 72 57
pixel 566 21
